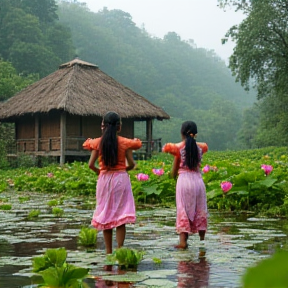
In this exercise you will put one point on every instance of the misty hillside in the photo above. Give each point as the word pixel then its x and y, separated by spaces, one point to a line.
pixel 189 83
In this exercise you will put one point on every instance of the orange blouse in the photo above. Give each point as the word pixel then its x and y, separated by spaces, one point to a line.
pixel 123 145
pixel 174 149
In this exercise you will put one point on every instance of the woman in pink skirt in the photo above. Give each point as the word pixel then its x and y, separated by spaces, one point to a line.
pixel 191 200
pixel 115 205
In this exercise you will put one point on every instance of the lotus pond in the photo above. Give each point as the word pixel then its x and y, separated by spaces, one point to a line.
pixel 234 242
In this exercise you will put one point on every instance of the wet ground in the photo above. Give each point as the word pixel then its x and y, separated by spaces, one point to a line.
pixel 233 243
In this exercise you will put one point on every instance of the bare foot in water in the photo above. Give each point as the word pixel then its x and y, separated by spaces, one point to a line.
pixel 183 237
pixel 181 246
pixel 108 267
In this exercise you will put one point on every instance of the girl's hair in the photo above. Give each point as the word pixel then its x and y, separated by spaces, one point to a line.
pixel 192 159
pixel 109 143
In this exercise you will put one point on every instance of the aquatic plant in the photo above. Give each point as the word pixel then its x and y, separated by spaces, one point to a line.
pixel 87 236
pixel 52 203
pixel 206 169
pixel 3 185
pixel 56 272
pixel 126 257
pixel 5 207
pixel 23 199
pixel 142 177
pixel 58 212
pixel 158 172
pixel 226 186
pixel 252 189
pixel 3 200
pixel 33 214
pixel 267 169
pixel 157 260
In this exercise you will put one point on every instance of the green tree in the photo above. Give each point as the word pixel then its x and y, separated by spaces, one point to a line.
pixel 18 26
pixel 219 125
pixel 171 73
pixel 58 39
pixel 273 122
pixel 11 82
pixel 261 48
pixel 44 10
pixel 260 60
pixel 32 38
pixel 248 131
pixel 32 58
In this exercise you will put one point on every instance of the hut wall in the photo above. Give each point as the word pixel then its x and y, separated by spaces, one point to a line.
pixel 127 129
pixel 49 132
pixel 74 138
pixel 91 127
pixel 25 129
pixel 73 125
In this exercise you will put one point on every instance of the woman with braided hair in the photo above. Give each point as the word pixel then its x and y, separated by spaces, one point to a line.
pixel 115 205
pixel 191 200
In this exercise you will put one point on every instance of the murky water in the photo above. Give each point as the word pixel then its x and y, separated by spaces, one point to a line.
pixel 233 243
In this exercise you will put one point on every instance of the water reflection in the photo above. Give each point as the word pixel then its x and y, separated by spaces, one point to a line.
pixel 112 284
pixel 233 242
pixel 194 274
pixel 115 270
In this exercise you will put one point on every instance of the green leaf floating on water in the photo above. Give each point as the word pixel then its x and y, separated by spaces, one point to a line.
pixel 127 277
pixel 157 260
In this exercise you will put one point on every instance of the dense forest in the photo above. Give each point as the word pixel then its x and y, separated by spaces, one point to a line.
pixel 189 83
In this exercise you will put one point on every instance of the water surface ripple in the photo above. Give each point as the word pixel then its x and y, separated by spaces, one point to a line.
pixel 233 243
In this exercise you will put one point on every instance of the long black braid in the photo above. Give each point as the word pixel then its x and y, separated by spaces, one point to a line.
pixel 109 143
pixel 189 130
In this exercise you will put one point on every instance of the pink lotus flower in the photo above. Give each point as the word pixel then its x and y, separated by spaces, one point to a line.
pixel 226 186
pixel 50 175
pixel 267 169
pixel 158 172
pixel 206 169
pixel 142 177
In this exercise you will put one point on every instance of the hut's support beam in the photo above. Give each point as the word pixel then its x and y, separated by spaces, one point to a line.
pixel 36 133
pixel 63 137
pixel 149 137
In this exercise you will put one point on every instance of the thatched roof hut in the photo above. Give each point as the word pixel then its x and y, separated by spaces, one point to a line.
pixel 80 88
pixel 77 92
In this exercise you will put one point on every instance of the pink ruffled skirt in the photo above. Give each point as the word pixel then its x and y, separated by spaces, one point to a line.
pixel 114 201
pixel 191 203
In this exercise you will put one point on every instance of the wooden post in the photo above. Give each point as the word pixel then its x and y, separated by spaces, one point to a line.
pixel 149 137
pixel 36 133
pixel 62 137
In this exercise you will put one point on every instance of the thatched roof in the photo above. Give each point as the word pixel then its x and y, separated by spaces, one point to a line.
pixel 80 88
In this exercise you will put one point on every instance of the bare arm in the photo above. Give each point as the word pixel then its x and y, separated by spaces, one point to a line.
pixel 93 158
pixel 130 160
pixel 175 167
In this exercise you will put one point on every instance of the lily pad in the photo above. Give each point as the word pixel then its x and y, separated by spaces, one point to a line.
pixel 128 277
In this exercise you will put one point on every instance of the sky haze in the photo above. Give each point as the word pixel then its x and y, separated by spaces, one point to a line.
pixel 199 20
